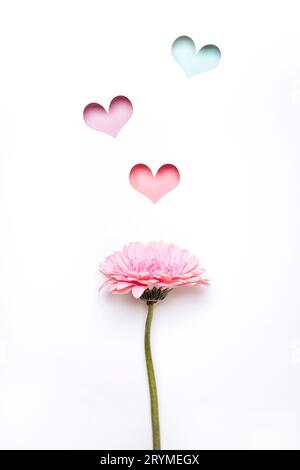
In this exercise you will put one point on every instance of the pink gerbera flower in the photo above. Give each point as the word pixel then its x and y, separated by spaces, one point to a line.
pixel 151 270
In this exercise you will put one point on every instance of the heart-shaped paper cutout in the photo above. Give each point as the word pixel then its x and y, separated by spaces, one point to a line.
pixel 192 62
pixel 96 117
pixel 154 187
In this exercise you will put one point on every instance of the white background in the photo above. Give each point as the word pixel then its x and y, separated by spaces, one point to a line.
pixel 227 359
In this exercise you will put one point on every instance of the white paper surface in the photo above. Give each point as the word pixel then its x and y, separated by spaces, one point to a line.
pixel 227 360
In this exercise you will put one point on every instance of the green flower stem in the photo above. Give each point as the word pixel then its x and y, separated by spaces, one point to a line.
pixel 151 380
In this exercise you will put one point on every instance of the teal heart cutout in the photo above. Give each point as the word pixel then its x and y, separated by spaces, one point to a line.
pixel 192 62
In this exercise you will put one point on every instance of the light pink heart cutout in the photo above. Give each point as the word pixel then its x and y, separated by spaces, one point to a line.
pixel 111 122
pixel 154 187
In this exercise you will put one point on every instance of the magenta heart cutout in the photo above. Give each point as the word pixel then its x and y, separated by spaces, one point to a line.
pixel 111 122
pixel 154 187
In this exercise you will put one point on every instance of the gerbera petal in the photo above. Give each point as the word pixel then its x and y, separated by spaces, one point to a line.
pixel 137 291
pixel 105 284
